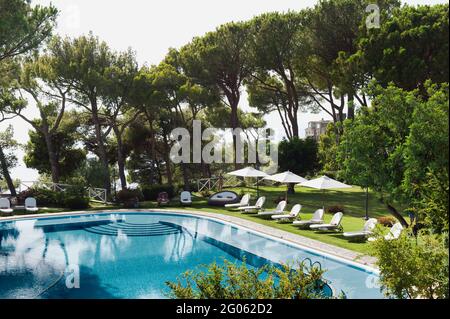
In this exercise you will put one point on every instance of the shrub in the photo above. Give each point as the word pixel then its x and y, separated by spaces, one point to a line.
pixel 150 192
pixel 76 202
pixel 239 282
pixel 126 195
pixel 30 192
pixel 205 193
pixel 48 197
pixel 387 221
pixel 335 209
pixel 75 197
pixel 413 267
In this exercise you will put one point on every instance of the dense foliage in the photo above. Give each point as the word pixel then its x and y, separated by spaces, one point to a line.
pixel 410 47
pixel 414 267
pixel 298 156
pixel 73 197
pixel 150 192
pixel 385 89
pixel 231 281
pixel 392 146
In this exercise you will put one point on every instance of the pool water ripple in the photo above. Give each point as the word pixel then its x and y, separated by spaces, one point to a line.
pixel 132 255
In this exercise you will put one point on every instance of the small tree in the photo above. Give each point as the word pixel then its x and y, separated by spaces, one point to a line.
pixel 298 156
pixel 8 159
pixel 413 267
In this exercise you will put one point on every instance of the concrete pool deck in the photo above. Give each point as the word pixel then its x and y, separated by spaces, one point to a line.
pixel 299 240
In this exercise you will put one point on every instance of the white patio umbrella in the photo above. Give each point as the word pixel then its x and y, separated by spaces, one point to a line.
pixel 286 178
pixel 323 183
pixel 249 172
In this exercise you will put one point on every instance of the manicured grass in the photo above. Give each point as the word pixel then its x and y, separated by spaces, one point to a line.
pixel 352 199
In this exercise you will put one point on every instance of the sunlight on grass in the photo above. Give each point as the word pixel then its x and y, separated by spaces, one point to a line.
pixel 353 201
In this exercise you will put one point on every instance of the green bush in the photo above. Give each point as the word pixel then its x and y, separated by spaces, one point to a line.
pixel 205 193
pixel 150 192
pixel 75 197
pixel 30 192
pixel 48 197
pixel 413 267
pixel 239 282
pixel 127 194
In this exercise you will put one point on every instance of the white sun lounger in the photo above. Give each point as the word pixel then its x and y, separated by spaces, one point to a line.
pixel 335 223
pixel 292 215
pixel 278 210
pixel 245 201
pixel 5 206
pixel 258 205
pixel 185 198
pixel 317 218
pixel 366 231
pixel 30 204
pixel 394 233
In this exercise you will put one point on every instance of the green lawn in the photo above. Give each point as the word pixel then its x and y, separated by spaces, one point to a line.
pixel 352 199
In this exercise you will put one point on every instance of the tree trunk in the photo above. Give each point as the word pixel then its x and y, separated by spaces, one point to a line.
pixel 294 125
pixel 351 106
pixel 167 160
pixel 5 173
pixel 101 147
pixel 397 215
pixel 53 160
pixel 152 144
pixel 234 125
pixel 120 158
pixel 185 177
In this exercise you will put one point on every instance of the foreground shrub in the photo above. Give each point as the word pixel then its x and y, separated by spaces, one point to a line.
pixel 240 282
pixel 413 267
pixel 150 192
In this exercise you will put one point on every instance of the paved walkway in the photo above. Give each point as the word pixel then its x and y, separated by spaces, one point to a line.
pixel 267 230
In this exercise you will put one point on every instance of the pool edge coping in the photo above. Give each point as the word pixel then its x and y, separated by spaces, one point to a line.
pixel 343 254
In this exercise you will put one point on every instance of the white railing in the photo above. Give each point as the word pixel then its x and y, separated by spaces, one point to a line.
pixel 217 183
pixel 95 194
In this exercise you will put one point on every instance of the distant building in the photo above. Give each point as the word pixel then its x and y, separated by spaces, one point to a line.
pixel 316 128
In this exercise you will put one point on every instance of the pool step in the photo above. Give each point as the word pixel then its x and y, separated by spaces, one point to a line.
pixel 133 230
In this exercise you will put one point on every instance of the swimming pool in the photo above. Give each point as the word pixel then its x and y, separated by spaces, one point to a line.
pixel 132 255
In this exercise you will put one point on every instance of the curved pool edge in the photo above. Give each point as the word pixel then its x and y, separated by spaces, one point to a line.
pixel 314 246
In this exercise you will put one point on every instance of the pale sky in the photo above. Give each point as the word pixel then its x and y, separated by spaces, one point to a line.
pixel 151 28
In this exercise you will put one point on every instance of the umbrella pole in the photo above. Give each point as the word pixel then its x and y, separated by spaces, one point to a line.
pixel 257 187
pixel 323 200
pixel 367 203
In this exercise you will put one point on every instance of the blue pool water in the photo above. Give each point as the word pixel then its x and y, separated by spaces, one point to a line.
pixel 132 255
